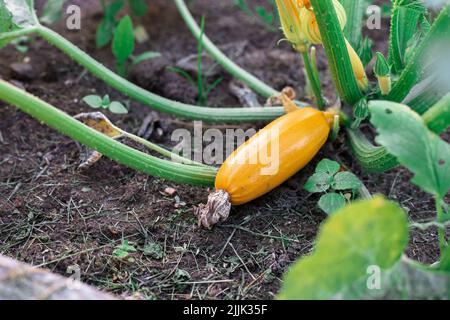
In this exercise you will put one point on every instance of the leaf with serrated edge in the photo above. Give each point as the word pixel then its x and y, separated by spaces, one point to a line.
pixel 404 134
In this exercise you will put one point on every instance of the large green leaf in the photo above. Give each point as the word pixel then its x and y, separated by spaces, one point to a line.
pixel 16 16
pixel 361 235
pixel 405 135
pixel 406 280
pixel 21 13
pixel 5 18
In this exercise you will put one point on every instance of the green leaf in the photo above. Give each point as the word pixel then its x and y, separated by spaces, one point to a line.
pixel 16 14
pixel 93 101
pixel 106 101
pixel 381 68
pixel 346 181
pixel 124 249
pixel 5 18
pixel 53 11
pixel 331 202
pixel 361 235
pixel 405 135
pixel 123 41
pixel 104 33
pixel 318 182
pixel 154 250
pixel 328 166
pixel 265 15
pixel 118 108
pixel 365 51
pixel 105 30
pixel 406 280
pixel 360 112
pixel 145 56
pixel 138 7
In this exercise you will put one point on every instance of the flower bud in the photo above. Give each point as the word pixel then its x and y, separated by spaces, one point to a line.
pixel 358 67
pixel 309 25
pixel 289 12
pixel 383 74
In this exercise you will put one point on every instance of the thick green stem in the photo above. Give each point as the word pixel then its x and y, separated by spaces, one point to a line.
pixel 355 14
pixel 336 50
pixel 315 83
pixel 437 118
pixel 62 122
pixel 157 102
pixel 376 158
pixel 9 36
pixel 441 228
pixel 249 79
pixel 410 76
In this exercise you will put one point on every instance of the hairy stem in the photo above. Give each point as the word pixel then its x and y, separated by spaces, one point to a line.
pixel 150 99
pixel 315 83
pixel 62 122
pixel 440 220
pixel 336 50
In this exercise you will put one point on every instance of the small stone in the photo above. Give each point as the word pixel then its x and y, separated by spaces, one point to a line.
pixel 170 191
pixel 22 71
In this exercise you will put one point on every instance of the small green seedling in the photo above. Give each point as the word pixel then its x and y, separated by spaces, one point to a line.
pixel 21 44
pixel 266 16
pixel 203 88
pixel 360 113
pixel 154 250
pixel 123 47
pixel 96 102
pixel 107 26
pixel 123 250
pixel 328 178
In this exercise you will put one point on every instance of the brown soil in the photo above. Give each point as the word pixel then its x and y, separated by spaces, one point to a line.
pixel 52 215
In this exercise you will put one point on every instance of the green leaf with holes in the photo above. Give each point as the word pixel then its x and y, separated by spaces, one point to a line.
pixel 405 135
pixel 361 235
